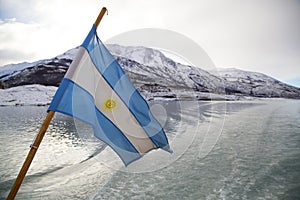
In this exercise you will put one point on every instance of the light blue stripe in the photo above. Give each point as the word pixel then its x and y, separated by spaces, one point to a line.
pixel 124 88
pixel 140 109
pixel 90 36
pixel 118 80
pixel 73 100
pixel 97 50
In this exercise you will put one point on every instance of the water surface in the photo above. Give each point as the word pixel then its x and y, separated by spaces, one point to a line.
pixel 222 150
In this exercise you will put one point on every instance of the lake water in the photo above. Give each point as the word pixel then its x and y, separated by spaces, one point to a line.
pixel 222 150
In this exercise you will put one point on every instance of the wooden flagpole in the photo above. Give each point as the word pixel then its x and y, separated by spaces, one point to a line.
pixel 101 14
pixel 35 145
pixel 33 149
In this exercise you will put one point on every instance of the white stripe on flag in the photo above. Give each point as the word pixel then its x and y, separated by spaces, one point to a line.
pixel 84 73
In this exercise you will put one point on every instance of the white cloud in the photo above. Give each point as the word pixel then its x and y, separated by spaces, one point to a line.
pixel 17 41
pixel 254 35
pixel 52 28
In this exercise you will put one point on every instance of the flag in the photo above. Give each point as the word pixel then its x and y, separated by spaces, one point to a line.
pixel 97 91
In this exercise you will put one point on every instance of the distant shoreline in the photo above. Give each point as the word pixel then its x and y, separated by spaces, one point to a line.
pixel 39 95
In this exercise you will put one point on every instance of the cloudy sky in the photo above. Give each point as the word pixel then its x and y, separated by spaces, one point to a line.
pixel 254 35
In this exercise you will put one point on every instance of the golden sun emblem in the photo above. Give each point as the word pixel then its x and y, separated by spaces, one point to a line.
pixel 109 104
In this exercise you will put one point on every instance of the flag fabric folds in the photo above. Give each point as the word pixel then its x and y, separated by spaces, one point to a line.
pixel 96 91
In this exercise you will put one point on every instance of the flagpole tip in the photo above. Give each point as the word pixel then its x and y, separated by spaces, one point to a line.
pixel 100 16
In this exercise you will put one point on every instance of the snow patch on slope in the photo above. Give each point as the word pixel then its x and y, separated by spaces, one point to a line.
pixel 27 95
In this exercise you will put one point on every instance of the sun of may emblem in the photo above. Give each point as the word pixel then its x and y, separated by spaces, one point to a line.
pixel 109 104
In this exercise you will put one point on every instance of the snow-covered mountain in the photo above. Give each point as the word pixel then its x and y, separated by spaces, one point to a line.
pixel 255 84
pixel 178 77
pixel 157 76
pixel 157 73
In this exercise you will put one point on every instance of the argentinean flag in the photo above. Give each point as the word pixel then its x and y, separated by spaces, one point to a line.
pixel 96 91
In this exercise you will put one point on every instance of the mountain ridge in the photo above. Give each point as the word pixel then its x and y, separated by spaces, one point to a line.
pixel 157 76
